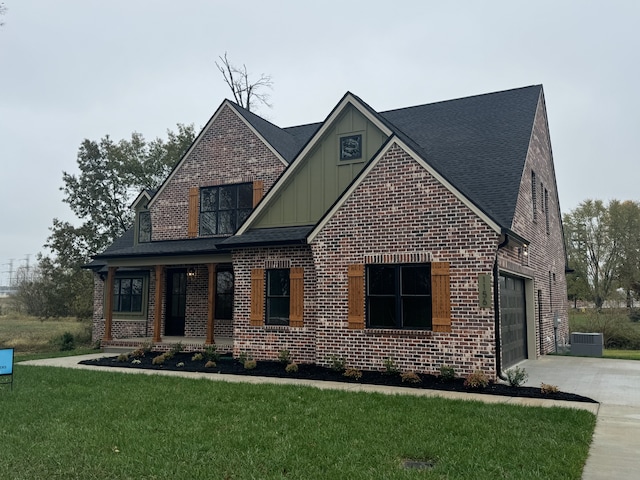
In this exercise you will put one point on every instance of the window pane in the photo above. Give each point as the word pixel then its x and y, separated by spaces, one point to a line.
pixel 144 227
pixel 224 283
pixel 245 196
pixel 208 223
pixel 116 286
pixel 224 306
pixel 381 280
pixel 125 286
pixel 136 286
pixel 226 222
pixel 278 282
pixel 227 198
pixel 278 311
pixel 125 303
pixel 382 311
pixel 209 199
pixel 416 280
pixel 136 303
pixel 416 312
pixel 242 216
pixel 116 302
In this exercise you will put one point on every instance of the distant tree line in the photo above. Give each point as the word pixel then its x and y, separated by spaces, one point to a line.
pixel 603 248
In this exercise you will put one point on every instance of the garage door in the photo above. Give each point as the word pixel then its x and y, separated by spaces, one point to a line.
pixel 513 320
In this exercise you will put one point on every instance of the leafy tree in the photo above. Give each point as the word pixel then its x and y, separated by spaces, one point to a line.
pixel 111 174
pixel 625 225
pixel 245 92
pixel 3 10
pixel 595 250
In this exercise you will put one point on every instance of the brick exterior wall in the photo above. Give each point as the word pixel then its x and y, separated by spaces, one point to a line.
pixel 398 210
pixel 228 152
pixel 546 257
pixel 265 342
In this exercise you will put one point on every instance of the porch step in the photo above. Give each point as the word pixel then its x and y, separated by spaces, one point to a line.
pixel 116 349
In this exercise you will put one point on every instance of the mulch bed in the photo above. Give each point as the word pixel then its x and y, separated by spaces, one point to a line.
pixel 228 365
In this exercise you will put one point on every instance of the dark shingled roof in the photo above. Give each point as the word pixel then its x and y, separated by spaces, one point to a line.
pixel 479 144
pixel 269 236
pixel 126 247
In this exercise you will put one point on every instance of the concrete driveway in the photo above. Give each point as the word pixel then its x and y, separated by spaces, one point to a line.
pixel 615 448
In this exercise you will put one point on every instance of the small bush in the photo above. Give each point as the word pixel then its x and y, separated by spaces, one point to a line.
pixel 198 357
pixel 123 357
pixel 547 389
pixel 410 377
pixel 138 353
pixel 477 379
pixel 169 355
pixel 66 342
pixel 352 373
pixel 447 373
pixel 390 367
pixel 136 361
pixel 634 315
pixel 517 376
pixel 180 364
pixel 250 364
pixel 243 357
pixel 211 353
pixel 146 347
pixel 291 368
pixel 160 359
pixel 336 363
pixel 210 364
pixel 177 348
pixel 284 356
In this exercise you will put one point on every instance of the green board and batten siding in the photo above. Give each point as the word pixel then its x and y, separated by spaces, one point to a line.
pixel 321 176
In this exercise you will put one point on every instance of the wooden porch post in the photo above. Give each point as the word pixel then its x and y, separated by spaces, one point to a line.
pixel 157 319
pixel 108 305
pixel 211 304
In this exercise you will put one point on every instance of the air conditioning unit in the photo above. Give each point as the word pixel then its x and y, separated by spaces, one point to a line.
pixel 587 344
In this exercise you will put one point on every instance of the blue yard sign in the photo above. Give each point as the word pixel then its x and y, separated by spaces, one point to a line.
pixel 6 364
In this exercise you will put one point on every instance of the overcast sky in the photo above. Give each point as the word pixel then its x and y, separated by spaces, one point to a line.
pixel 76 69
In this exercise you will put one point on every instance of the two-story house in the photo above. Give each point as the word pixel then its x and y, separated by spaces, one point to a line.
pixel 430 235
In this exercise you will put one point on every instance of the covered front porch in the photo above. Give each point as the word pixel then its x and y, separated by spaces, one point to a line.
pixel 224 345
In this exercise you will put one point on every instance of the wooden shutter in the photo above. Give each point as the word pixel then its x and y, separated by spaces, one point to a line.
pixel 440 297
pixel 356 296
pixel 258 191
pixel 194 204
pixel 296 299
pixel 256 318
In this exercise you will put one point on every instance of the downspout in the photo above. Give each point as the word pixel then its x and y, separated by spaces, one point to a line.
pixel 496 309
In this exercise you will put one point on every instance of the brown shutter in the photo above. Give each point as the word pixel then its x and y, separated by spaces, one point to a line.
pixel 440 297
pixel 356 296
pixel 256 317
pixel 194 197
pixel 296 299
pixel 258 191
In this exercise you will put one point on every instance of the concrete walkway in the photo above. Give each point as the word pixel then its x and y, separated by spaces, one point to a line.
pixel 615 447
pixel 613 383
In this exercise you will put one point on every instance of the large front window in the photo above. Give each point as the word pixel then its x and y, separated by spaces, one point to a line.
pixel 224 208
pixel 278 297
pixel 399 296
pixel 127 295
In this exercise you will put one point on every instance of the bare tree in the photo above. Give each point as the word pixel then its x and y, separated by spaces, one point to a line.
pixel 3 10
pixel 245 92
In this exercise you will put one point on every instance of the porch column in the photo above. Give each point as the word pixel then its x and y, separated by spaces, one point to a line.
pixel 157 319
pixel 211 304
pixel 108 305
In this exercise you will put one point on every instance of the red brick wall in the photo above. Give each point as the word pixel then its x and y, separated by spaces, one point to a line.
pixel 229 152
pixel 266 342
pixel 546 251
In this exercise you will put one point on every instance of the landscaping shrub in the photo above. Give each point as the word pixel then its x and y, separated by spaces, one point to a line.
pixel 250 364
pixel 211 353
pixel 390 366
pixel 447 373
pixel 410 377
pixel 284 356
pixel 336 363
pixel 546 388
pixel 517 376
pixel 198 357
pixel 66 342
pixel 477 379
pixel 291 367
pixel 353 373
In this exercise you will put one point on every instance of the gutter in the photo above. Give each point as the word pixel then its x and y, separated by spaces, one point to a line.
pixel 496 309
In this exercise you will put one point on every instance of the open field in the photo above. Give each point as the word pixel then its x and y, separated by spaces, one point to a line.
pixel 94 425
pixel 30 334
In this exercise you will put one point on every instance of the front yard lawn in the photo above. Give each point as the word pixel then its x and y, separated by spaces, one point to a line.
pixel 72 424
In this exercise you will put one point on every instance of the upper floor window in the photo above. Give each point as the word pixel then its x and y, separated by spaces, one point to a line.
pixel 223 208
pixel 534 199
pixel 144 227
pixel 351 147
pixel 546 209
pixel 399 296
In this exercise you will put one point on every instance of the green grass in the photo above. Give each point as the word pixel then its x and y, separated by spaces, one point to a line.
pixel 71 424
pixel 31 335
pixel 622 354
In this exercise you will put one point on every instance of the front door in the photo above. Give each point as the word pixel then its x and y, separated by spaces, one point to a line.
pixel 176 303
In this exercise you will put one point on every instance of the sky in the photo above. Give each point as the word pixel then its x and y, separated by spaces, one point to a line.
pixel 81 69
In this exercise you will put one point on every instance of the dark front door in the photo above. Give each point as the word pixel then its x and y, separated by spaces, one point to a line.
pixel 513 320
pixel 176 303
